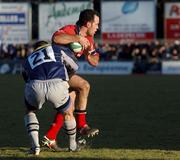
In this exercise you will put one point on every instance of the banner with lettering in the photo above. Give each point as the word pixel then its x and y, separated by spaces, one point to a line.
pixel 128 20
pixel 172 20
pixel 55 15
pixel 15 24
pixel 112 68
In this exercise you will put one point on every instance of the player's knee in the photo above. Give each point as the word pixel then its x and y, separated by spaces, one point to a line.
pixel 85 86
pixel 68 116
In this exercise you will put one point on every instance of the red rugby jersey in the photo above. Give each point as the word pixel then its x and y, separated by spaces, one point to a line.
pixel 72 30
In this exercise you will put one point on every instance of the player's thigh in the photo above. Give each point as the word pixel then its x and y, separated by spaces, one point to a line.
pixel 35 94
pixel 58 92
pixel 76 82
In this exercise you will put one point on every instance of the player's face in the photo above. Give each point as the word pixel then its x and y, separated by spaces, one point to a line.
pixel 93 26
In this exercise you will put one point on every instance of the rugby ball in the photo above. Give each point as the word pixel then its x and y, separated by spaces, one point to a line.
pixel 76 47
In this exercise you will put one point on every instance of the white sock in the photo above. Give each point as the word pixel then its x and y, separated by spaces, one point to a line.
pixel 32 126
pixel 70 127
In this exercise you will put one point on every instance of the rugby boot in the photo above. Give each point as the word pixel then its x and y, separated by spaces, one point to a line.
pixel 51 144
pixel 88 131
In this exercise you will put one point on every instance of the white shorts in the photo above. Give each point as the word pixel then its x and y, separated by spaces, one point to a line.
pixel 37 92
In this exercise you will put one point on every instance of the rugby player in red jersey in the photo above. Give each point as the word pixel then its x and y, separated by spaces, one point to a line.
pixel 83 33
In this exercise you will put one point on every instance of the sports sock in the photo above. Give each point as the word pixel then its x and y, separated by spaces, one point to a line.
pixel 55 127
pixel 70 127
pixel 32 126
pixel 80 118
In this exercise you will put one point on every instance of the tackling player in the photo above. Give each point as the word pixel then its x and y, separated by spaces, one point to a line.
pixel 46 80
pixel 83 32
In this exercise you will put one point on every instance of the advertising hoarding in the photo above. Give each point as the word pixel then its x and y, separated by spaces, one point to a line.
pixel 171 67
pixel 172 20
pixel 15 25
pixel 134 20
pixel 109 68
pixel 56 15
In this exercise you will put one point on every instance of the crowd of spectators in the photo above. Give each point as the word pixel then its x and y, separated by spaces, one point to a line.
pixel 146 56
pixel 14 51
pixel 153 51
pixel 125 51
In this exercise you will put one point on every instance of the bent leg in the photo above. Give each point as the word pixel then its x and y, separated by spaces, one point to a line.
pixel 82 88
pixel 54 129
pixel 57 94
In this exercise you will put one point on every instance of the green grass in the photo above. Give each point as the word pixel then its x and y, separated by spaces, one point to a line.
pixel 138 117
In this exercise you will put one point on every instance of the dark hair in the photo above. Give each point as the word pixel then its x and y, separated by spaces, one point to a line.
pixel 86 15
pixel 39 44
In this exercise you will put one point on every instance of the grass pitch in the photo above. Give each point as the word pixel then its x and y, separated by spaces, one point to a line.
pixel 138 117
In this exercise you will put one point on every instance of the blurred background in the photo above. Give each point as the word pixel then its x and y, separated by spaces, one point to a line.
pixel 134 36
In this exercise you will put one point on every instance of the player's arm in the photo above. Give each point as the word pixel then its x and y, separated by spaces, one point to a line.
pixel 24 72
pixel 66 35
pixel 25 76
pixel 64 38
pixel 91 55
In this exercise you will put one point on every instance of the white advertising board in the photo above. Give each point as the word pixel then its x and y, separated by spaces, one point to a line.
pixel 55 15
pixel 171 67
pixel 128 20
pixel 112 68
pixel 15 25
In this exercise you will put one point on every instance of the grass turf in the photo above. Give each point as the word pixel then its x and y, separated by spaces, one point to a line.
pixel 138 117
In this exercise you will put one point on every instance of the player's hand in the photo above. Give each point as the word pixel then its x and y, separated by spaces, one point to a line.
pixel 93 59
pixel 84 42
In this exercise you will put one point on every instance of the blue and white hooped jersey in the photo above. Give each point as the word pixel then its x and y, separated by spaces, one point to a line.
pixel 49 63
